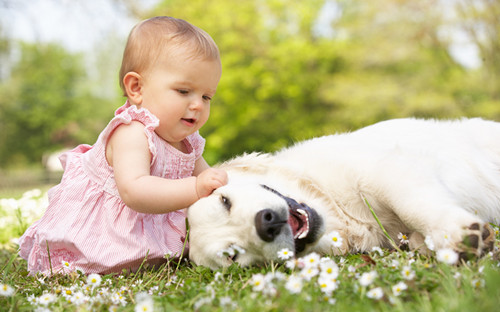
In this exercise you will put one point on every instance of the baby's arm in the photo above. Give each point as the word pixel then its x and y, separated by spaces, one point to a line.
pixel 128 153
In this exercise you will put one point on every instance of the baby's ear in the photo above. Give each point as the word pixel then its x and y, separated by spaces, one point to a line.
pixel 132 82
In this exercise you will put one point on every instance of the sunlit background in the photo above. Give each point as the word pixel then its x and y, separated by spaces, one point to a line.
pixel 292 69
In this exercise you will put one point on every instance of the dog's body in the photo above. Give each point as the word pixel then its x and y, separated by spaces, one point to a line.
pixel 423 178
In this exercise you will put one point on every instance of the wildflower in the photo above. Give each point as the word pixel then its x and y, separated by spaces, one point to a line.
pixel 6 290
pixel 335 239
pixel 201 302
pixel 309 272
pixel 294 284
pixel 477 283
pixel 144 302
pixel 311 260
pixel 429 242
pixel 375 293
pixel 78 298
pixel 291 264
pixel 331 301
pixel 94 280
pixel 408 273
pixel 32 299
pixel 218 276
pixel 398 288
pixel 285 254
pixel 394 264
pixel 378 250
pixel 46 299
pixel 66 265
pixel 258 282
pixel 228 303
pixel 327 285
pixel 403 238
pixel 329 268
pixel 118 298
pixel 66 292
pixel 367 278
pixel 447 256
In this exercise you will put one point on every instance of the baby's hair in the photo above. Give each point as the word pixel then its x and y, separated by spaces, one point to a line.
pixel 154 36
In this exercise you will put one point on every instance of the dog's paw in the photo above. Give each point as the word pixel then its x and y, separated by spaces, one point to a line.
pixel 478 240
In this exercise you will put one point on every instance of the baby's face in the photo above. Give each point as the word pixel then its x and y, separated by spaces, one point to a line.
pixel 178 91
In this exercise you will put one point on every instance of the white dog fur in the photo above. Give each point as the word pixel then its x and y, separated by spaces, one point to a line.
pixel 423 178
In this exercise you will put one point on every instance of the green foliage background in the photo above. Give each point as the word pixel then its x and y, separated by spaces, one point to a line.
pixel 286 76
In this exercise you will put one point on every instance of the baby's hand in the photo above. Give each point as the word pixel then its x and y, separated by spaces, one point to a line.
pixel 209 180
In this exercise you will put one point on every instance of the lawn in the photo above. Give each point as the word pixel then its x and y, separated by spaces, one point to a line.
pixel 381 280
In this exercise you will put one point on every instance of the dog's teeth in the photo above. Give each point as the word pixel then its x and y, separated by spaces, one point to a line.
pixel 302 212
pixel 304 234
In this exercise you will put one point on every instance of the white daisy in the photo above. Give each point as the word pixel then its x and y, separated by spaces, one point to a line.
pixel 294 284
pixel 375 293
pixel 447 256
pixel 327 285
pixel 258 282
pixel 398 288
pixel 367 278
pixel 285 254
pixel 335 239
pixel 65 264
pixel 309 272
pixel 311 260
pixel 329 268
pixel 478 283
pixel 6 290
pixel 403 238
pixel 429 242
pixel 408 273
pixel 79 298
pixel 118 298
pixel 46 299
pixel 94 280
pixel 144 306
pixel 32 299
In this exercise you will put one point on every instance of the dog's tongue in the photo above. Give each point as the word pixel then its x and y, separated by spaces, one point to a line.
pixel 294 223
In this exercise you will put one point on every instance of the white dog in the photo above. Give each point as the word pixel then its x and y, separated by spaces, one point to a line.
pixel 431 180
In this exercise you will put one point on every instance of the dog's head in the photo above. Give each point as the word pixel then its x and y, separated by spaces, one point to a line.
pixel 249 224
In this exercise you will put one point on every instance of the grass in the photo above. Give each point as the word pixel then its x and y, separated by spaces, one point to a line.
pixel 179 285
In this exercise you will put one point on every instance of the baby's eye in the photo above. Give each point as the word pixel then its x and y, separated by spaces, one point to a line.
pixel 207 98
pixel 182 91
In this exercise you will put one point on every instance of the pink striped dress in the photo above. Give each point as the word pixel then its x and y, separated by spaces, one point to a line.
pixel 88 227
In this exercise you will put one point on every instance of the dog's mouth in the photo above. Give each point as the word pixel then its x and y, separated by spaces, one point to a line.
pixel 299 222
pixel 303 220
pixel 305 224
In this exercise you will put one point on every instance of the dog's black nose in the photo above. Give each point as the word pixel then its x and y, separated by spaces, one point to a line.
pixel 268 224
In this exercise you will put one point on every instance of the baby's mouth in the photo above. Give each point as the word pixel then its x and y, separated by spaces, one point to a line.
pixel 188 121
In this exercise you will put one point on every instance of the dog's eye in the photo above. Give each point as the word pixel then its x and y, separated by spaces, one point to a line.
pixel 225 201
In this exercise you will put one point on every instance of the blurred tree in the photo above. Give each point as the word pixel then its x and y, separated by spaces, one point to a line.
pixel 480 20
pixel 396 63
pixel 274 66
pixel 42 107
